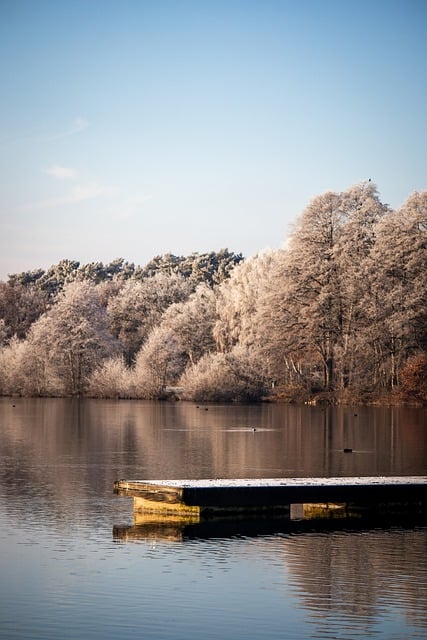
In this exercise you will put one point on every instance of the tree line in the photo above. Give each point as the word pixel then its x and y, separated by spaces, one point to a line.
pixel 338 314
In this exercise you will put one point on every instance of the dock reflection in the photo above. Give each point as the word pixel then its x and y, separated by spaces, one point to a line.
pixel 148 527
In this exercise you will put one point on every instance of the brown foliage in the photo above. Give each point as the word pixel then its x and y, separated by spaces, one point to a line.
pixel 413 379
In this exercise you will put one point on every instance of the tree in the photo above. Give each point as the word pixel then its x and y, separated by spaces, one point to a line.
pixel 13 369
pixel 362 211
pixel 183 336
pixel 238 301
pixel 57 276
pixel 138 307
pixel 315 313
pixel 72 338
pixel 192 322
pixel 3 332
pixel 224 377
pixel 303 306
pixel 20 306
pixel 211 268
pixel 399 288
pixel 111 379
pixel 158 363
pixel 413 379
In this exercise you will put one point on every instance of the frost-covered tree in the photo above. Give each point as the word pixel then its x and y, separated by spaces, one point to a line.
pixel 13 357
pixel 411 249
pixel 238 301
pixel 399 289
pixel 304 308
pixel 192 322
pixel 139 306
pixel 158 363
pixel 225 377
pixel 58 276
pixel 313 317
pixel 20 306
pixel 342 309
pixel 111 379
pixel 362 211
pixel 183 336
pixel 71 339
pixel 3 332
pixel 211 268
pixel 22 371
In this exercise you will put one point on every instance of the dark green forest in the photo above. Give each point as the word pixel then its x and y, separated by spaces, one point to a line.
pixel 338 314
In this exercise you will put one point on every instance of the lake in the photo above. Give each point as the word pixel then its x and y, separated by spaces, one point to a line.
pixel 74 564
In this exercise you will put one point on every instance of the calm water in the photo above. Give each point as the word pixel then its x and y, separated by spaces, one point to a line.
pixel 73 564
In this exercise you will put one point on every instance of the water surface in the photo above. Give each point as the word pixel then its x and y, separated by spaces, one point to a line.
pixel 74 565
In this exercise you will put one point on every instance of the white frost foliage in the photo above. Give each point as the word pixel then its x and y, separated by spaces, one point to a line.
pixel 239 298
pixel 112 379
pixel 139 305
pixel 24 371
pixel 157 363
pixel 12 368
pixel 72 339
pixel 224 377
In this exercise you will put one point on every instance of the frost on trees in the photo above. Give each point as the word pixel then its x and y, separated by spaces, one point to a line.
pixel 72 338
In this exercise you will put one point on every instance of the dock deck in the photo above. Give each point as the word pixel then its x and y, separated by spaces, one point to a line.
pixel 202 497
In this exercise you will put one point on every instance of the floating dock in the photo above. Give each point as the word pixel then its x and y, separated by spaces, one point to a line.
pixel 206 498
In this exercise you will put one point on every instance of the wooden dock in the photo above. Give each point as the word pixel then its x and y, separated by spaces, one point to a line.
pixel 195 498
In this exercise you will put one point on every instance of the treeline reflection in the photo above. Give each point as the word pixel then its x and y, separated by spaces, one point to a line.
pixel 339 573
pixel 62 456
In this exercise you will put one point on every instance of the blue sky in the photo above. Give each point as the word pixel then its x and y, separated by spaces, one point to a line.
pixel 134 128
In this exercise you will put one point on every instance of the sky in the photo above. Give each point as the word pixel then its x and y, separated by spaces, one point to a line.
pixel 136 128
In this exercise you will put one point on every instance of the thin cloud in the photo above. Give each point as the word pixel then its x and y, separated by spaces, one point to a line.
pixel 61 173
pixel 79 193
pixel 80 124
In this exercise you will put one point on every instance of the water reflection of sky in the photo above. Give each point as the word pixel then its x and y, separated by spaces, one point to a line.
pixel 79 583
pixel 65 574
